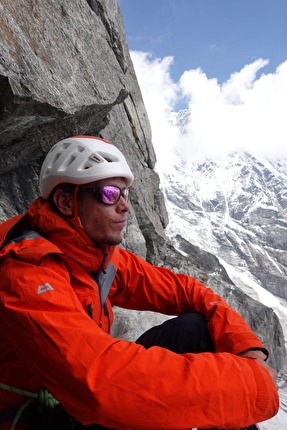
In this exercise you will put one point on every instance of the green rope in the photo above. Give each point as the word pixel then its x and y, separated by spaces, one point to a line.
pixel 19 391
pixel 45 399
pixel 19 413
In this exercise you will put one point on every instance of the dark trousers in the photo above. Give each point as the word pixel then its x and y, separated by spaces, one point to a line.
pixel 186 333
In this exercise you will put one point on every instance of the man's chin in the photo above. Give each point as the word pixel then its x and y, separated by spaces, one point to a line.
pixel 110 241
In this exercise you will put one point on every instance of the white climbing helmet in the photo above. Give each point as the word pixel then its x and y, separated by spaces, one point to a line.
pixel 81 160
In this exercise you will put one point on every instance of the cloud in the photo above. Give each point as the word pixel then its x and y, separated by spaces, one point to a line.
pixel 245 113
pixel 160 96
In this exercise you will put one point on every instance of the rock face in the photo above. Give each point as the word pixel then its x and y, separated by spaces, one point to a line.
pixel 65 70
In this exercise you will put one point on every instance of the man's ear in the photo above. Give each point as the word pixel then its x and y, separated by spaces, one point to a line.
pixel 63 201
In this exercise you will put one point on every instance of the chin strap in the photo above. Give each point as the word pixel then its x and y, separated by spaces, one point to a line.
pixel 75 203
pixel 75 221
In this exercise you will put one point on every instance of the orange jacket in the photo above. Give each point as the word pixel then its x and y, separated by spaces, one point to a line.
pixel 47 338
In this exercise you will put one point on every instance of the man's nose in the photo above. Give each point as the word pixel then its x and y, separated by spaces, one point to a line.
pixel 123 205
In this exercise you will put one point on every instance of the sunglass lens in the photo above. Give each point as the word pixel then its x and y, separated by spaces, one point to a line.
pixel 125 193
pixel 110 194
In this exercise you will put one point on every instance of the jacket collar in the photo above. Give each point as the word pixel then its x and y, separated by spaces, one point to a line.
pixel 67 236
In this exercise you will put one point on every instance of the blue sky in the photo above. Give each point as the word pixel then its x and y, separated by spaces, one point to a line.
pixel 225 61
pixel 219 36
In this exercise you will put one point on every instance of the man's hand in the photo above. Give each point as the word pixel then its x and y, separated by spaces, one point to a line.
pixel 260 357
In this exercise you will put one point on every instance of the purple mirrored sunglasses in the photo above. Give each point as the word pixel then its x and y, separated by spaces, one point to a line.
pixel 108 194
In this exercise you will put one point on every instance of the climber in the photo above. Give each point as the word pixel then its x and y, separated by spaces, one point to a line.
pixel 61 273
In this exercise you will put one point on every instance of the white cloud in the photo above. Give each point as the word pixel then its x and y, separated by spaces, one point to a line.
pixel 245 113
pixel 160 95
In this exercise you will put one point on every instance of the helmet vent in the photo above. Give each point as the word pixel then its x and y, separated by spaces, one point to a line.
pixel 96 158
pixel 67 162
pixel 88 165
pixel 56 156
pixel 100 157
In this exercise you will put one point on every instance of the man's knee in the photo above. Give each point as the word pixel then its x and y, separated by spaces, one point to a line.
pixel 191 321
pixel 185 333
pixel 193 334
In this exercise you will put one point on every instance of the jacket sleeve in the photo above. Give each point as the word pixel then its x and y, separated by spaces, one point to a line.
pixel 119 384
pixel 141 286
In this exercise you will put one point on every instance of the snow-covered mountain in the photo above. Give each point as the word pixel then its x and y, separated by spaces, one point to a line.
pixel 236 208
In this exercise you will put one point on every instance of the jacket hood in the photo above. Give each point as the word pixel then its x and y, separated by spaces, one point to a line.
pixel 67 236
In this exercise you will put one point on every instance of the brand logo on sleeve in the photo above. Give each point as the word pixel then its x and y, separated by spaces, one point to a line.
pixel 44 288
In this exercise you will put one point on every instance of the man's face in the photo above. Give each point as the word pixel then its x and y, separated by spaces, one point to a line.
pixel 103 223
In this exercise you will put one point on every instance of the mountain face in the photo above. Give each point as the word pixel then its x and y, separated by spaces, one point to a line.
pixel 236 207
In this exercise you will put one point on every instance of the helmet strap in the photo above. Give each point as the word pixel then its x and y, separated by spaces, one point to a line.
pixel 76 220
pixel 75 203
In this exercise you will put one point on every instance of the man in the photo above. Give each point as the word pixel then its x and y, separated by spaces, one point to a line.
pixel 60 274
